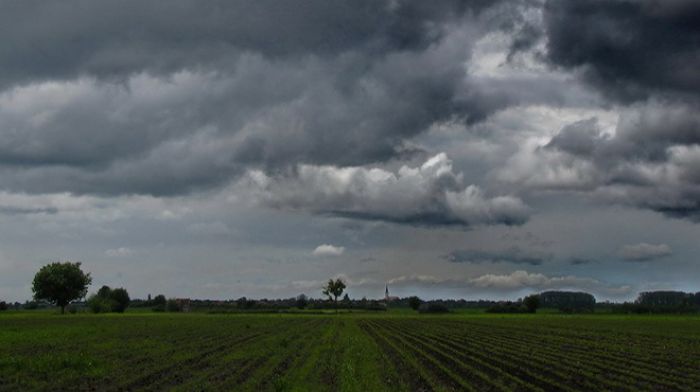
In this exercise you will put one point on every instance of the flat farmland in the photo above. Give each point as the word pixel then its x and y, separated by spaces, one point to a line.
pixel 348 352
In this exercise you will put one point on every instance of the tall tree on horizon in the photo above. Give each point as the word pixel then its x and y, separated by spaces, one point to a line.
pixel 334 289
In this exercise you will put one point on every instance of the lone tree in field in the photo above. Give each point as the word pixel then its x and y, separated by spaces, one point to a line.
pixel 334 289
pixel 60 283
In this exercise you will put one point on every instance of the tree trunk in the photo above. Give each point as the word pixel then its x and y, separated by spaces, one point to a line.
pixel 63 309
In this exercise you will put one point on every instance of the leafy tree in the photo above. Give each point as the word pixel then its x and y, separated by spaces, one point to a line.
pixel 532 302
pixel 334 289
pixel 101 302
pixel 104 292
pixel 60 283
pixel 3 305
pixel 121 300
pixel 667 301
pixel 567 301
pixel 414 302
pixel 662 299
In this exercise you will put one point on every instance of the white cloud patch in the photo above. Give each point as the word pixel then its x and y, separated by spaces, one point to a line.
pixel 119 252
pixel 644 252
pixel 413 279
pixel 514 282
pixel 526 280
pixel 431 194
pixel 328 250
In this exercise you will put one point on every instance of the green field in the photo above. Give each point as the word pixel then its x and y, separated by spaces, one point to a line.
pixel 348 352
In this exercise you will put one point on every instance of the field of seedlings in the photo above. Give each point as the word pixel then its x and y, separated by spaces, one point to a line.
pixel 348 352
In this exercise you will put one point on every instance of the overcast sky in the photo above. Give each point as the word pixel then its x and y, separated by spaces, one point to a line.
pixel 466 149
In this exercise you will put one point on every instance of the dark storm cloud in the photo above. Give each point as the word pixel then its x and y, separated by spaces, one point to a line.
pixel 113 40
pixel 137 97
pixel 652 161
pixel 644 50
pixel 628 49
pixel 513 255
pixel 580 261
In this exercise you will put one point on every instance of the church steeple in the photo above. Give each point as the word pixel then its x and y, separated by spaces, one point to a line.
pixel 386 292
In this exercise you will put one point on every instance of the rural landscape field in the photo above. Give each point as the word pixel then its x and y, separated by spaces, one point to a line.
pixel 350 195
pixel 394 351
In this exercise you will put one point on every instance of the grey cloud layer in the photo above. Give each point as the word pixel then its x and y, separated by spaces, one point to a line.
pixel 127 130
pixel 643 251
pixel 643 56
pixel 651 161
pixel 47 41
pixel 514 255
pixel 97 97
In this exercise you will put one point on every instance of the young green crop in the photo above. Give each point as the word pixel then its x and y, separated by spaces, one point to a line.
pixel 388 351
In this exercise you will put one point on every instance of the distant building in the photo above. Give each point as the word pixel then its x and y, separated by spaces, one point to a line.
pixel 387 297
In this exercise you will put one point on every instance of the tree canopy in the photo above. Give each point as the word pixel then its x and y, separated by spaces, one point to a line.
pixel 60 283
pixel 567 301
pixel 334 289
pixel 109 300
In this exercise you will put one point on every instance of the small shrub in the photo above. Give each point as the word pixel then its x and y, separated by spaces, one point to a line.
pixel 532 302
pixel 433 308
pixel 98 304
pixel 173 306
pixel 508 307
pixel 414 302
pixel 376 306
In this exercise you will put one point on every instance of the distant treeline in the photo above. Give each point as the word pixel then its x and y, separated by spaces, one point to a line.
pixel 580 302
pixel 159 303
pixel 564 301
pixel 658 302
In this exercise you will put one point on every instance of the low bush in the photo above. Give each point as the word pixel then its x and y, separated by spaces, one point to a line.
pixel 433 308
pixel 98 304
pixel 173 306
pixel 508 307
pixel 109 300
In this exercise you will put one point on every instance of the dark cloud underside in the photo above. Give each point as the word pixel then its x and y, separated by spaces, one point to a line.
pixel 138 97
pixel 628 49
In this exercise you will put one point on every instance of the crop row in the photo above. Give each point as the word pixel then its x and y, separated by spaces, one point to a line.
pixel 447 355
